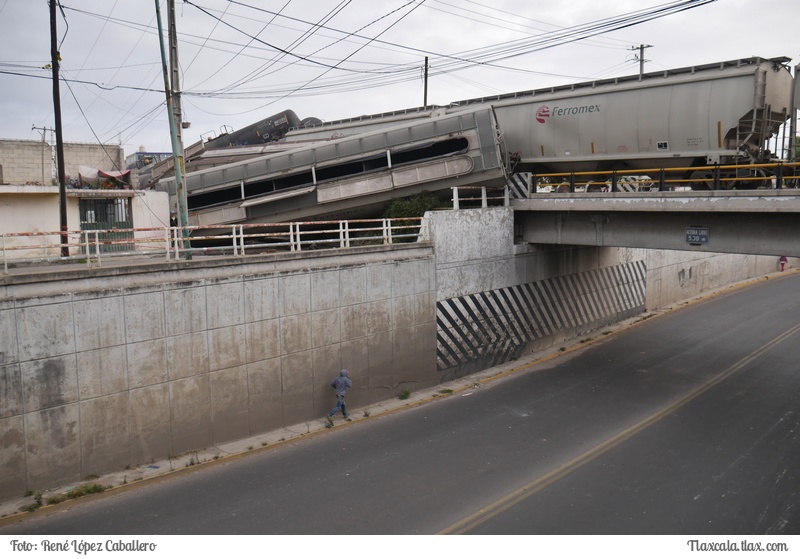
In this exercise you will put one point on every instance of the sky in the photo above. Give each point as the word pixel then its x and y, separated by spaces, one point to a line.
pixel 244 60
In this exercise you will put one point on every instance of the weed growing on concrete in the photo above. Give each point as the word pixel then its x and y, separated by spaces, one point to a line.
pixel 328 422
pixel 404 395
pixel 28 493
pixel 265 443
pixel 88 489
pixel 125 480
pixel 562 349
pixel 90 477
pixel 250 447
pixel 445 391
pixel 37 502
pixel 366 413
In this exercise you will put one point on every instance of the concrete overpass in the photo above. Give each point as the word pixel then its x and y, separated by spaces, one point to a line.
pixel 761 222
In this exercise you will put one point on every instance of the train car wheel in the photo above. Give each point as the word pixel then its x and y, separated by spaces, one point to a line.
pixel 702 180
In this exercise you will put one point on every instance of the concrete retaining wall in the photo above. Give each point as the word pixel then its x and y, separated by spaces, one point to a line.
pixel 99 371
pixel 674 276
pixel 108 367
pixel 497 300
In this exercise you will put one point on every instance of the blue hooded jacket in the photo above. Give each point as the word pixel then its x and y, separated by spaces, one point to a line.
pixel 341 383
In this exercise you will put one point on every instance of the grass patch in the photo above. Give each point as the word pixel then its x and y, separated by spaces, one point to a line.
pixel 88 489
pixel 445 391
pixel 37 502
pixel 404 395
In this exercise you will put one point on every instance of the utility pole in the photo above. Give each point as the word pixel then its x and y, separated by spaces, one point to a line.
pixel 640 57
pixel 174 119
pixel 425 96
pixel 62 179
pixel 795 99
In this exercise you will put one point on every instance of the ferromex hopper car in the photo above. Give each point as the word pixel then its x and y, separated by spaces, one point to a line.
pixel 719 113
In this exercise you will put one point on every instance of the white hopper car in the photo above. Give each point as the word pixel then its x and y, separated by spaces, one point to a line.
pixel 722 113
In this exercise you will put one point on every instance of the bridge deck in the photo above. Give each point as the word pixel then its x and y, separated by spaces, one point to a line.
pixel 749 201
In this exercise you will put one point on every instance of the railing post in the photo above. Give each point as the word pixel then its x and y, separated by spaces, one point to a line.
pixel 614 187
pixel 484 201
pixel 166 242
pixel 344 234
pixel 5 261
pixel 779 176
pixel 662 175
pixel 572 182
pixel 455 198
pixel 175 234
pixel 716 177
pixel 96 248
pixel 506 197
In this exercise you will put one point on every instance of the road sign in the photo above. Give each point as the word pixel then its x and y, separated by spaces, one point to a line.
pixel 697 235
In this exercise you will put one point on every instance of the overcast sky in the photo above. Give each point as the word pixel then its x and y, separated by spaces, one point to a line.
pixel 244 60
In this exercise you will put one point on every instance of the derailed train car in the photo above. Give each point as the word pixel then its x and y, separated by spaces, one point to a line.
pixel 678 120
pixel 349 176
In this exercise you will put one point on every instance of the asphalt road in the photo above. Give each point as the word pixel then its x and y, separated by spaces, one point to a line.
pixel 687 423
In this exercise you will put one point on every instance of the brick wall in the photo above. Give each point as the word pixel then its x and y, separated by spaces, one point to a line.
pixel 30 161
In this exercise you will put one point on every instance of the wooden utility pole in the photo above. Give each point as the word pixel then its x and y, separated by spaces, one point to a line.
pixel 62 178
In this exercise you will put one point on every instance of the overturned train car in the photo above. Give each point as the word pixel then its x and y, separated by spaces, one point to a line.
pixel 349 176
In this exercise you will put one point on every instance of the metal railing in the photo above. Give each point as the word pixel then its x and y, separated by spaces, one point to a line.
pixel 711 177
pixel 92 247
pixel 495 196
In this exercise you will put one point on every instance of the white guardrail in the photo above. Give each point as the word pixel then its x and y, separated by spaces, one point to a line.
pixel 93 246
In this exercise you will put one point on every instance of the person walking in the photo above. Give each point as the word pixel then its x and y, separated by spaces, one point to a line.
pixel 340 384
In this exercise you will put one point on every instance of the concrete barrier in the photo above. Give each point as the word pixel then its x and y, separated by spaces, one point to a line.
pixel 104 368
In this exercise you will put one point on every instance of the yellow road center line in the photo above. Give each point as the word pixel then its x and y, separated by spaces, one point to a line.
pixel 465 525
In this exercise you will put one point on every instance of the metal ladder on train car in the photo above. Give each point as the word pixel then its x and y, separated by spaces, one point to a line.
pixel 749 127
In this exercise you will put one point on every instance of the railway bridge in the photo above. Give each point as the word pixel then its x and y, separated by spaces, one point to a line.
pixel 759 222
